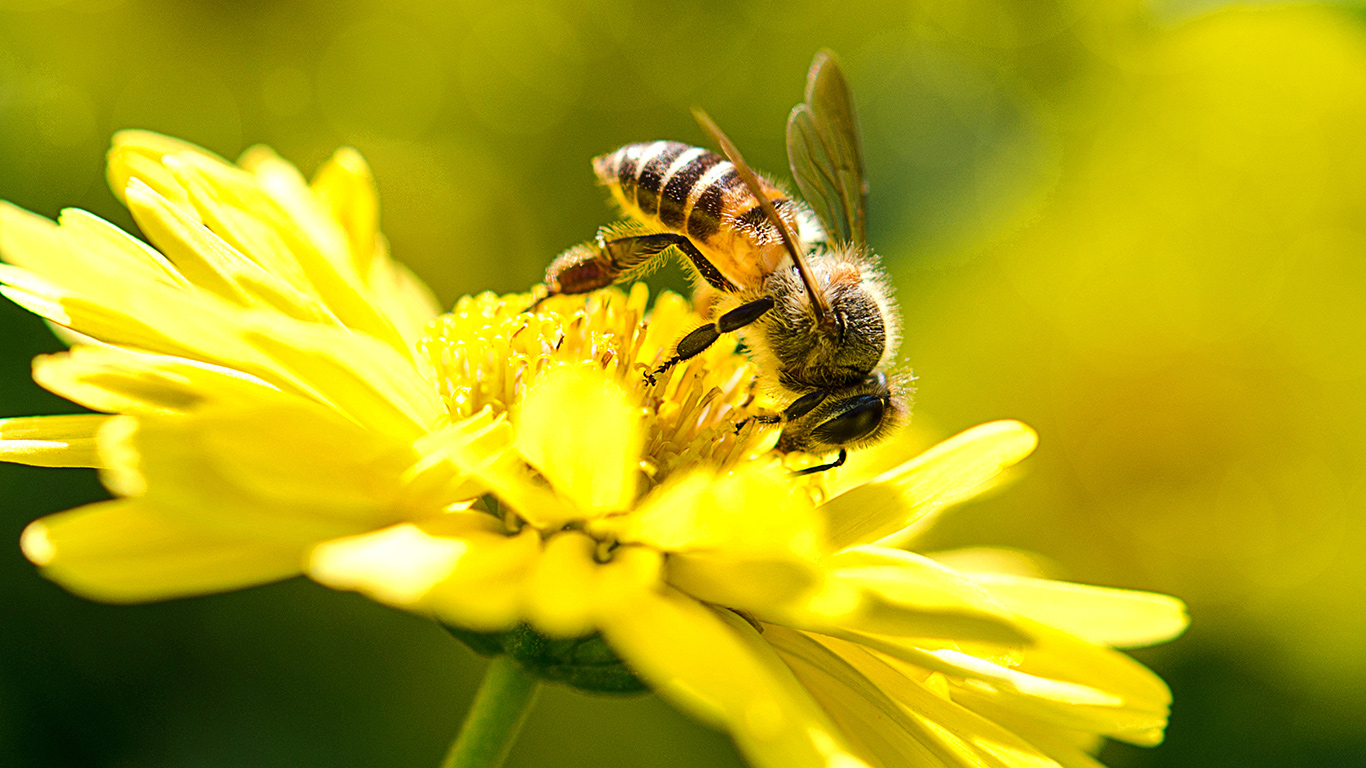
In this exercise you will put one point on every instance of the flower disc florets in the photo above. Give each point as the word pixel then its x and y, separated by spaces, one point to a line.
pixel 489 350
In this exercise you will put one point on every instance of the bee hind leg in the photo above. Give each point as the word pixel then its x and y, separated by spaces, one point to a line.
pixel 606 260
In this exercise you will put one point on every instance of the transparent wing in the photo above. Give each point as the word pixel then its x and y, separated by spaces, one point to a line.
pixel 824 152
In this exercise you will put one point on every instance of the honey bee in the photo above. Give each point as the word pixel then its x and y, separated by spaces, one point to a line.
pixel 808 298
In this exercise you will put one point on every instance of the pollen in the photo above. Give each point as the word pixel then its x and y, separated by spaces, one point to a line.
pixel 489 349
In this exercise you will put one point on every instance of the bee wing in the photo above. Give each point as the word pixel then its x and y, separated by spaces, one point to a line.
pixel 824 152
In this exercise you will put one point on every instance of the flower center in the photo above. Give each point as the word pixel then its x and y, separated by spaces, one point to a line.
pixel 487 351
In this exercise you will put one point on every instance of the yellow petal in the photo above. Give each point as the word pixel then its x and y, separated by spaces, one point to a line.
pixel 286 470
pixel 141 154
pixel 461 567
pixel 950 472
pixel 117 380
pixel 987 740
pixel 355 373
pixel 1121 618
pixel 720 672
pixel 1144 699
pixel 485 452
pixel 233 204
pixel 561 592
pixel 213 265
pixel 397 565
pixel 485 593
pixel 1059 680
pixel 98 241
pixel 345 186
pixel 772 585
pixel 581 431
pixel 1070 749
pixel 155 318
pixel 130 551
pixel 283 183
pixel 82 252
pixel 270 218
pixel 696 512
pixel 893 716
pixel 1006 560
pixel 765 557
pixel 407 301
pixel 890 592
pixel 865 714
pixel 51 441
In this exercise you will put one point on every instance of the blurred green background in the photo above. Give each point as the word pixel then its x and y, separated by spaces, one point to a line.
pixel 1139 227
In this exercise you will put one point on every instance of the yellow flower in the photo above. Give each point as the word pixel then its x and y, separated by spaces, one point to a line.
pixel 276 396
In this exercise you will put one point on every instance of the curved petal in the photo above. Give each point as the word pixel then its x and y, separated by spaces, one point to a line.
pixel 767 556
pixel 52 441
pixel 129 551
pixel 154 318
pixel 80 251
pixel 1061 681
pixel 232 203
pixel 911 724
pixel 353 372
pixel 461 567
pixel 890 592
pixel 346 188
pixel 255 470
pixel 722 673
pixel 994 744
pixel 1120 618
pixel 409 303
pixel 117 380
pixel 561 591
pixel 286 187
pixel 580 429
pixel 213 265
pixel 951 472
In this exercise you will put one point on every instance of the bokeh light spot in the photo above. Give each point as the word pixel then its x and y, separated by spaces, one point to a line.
pixel 187 102
pixel 286 91
pixel 521 69
pixel 380 79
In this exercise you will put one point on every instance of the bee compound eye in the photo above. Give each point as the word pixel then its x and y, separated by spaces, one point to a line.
pixel 859 417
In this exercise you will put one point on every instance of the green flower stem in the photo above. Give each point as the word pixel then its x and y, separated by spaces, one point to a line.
pixel 496 717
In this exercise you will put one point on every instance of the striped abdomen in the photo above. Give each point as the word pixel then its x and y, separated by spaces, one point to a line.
pixel 697 193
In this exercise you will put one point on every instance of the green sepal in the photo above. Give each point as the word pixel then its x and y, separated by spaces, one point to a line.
pixel 586 663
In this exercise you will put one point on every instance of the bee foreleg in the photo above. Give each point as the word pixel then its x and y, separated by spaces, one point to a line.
pixel 698 340
pixel 797 409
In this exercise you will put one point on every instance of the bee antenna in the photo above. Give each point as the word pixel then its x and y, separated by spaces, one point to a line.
pixel 751 180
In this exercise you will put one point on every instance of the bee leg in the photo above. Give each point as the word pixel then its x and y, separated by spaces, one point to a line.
pixel 604 261
pixel 705 268
pixel 698 340
pixel 759 418
pixel 795 410
pixel 823 467
pixel 538 300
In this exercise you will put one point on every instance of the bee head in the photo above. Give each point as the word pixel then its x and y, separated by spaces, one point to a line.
pixel 851 417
